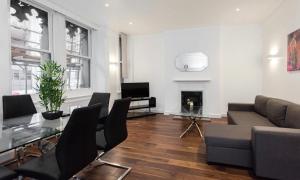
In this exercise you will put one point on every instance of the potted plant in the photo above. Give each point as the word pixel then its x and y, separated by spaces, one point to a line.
pixel 51 89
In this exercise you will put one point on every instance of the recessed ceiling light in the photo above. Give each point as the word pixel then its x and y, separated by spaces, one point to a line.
pixel 130 23
pixel 106 5
pixel 237 9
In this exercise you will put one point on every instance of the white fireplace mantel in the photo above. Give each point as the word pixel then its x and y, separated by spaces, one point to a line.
pixel 192 80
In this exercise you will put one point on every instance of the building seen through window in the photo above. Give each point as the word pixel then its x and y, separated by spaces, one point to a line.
pixel 29 45
pixel 78 59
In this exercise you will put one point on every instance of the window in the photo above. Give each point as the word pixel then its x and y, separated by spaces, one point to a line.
pixel 29 45
pixel 78 56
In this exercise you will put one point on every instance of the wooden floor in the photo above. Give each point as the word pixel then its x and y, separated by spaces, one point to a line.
pixel 154 151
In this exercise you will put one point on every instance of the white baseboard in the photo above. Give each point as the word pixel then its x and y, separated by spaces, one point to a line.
pixel 224 115
pixel 217 116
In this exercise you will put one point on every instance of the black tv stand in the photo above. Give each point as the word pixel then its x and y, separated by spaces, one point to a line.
pixel 151 104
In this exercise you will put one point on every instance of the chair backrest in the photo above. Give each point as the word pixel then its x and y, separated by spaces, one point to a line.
pixel 102 98
pixel 18 105
pixel 76 147
pixel 115 128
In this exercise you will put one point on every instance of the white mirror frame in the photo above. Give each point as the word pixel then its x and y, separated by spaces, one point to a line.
pixel 191 62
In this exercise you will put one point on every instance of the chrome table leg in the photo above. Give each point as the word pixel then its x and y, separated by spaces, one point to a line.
pixel 199 130
pixel 190 126
pixel 193 123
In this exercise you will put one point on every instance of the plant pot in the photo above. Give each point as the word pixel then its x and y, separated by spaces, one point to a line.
pixel 50 115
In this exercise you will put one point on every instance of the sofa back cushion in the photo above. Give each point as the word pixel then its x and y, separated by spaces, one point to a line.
pixel 260 105
pixel 276 111
pixel 292 119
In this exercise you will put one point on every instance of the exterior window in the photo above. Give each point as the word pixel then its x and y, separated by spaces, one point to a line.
pixel 78 56
pixel 29 45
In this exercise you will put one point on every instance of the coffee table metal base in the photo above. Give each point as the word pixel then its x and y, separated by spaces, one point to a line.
pixel 193 124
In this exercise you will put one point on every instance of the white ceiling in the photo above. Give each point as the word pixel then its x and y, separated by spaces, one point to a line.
pixel 150 16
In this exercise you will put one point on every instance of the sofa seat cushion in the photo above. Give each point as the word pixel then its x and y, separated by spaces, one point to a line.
pixel 227 136
pixel 292 119
pixel 248 119
pixel 276 111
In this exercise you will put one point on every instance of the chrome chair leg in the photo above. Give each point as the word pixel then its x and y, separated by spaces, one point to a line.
pixel 19 155
pixel 102 162
pixel 100 155
pixel 76 178
pixel 127 168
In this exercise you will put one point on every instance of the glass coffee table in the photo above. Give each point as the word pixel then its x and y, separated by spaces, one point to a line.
pixel 195 116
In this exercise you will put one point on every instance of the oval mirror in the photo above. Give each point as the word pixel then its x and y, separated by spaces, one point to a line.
pixel 197 61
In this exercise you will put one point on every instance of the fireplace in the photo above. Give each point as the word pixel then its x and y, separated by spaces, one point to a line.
pixel 191 97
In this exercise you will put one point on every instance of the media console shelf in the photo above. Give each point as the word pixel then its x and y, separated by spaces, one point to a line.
pixel 135 114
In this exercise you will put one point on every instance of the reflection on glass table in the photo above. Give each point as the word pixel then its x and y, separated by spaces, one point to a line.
pixel 194 114
pixel 18 132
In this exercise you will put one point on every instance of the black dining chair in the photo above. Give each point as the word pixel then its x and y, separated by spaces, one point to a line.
pixel 102 98
pixel 75 150
pixel 114 132
pixel 18 105
pixel 7 174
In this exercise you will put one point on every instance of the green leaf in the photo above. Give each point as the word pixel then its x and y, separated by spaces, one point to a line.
pixel 51 85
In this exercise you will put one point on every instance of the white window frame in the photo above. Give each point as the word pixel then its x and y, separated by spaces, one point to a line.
pixel 89 57
pixel 50 38
pixel 50 29
pixel 52 42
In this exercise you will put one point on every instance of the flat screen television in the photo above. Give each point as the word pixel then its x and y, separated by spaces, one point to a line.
pixel 135 90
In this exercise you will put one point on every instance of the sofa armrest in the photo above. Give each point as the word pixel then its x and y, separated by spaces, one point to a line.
pixel 240 107
pixel 276 152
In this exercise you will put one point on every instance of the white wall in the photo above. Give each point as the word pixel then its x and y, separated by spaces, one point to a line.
pixel 114 66
pixel 100 67
pixel 147 65
pixel 234 65
pixel 5 78
pixel 204 40
pixel 277 81
pixel 241 66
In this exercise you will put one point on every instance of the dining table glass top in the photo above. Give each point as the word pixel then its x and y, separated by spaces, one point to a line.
pixel 17 132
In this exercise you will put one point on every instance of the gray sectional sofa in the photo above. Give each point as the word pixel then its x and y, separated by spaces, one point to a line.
pixel 264 136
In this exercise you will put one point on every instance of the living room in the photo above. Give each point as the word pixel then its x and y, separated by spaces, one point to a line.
pixel 213 85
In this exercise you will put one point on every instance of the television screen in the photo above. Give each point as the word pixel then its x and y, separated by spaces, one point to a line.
pixel 135 90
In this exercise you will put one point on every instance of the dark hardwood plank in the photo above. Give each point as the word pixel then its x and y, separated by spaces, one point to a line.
pixel 154 151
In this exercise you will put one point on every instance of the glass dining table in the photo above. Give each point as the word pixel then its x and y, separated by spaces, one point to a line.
pixel 18 132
